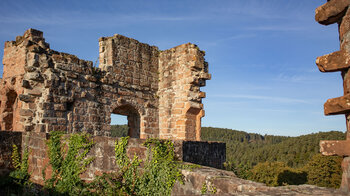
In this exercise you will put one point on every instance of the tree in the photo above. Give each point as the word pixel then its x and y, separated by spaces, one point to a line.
pixel 324 171
pixel 277 174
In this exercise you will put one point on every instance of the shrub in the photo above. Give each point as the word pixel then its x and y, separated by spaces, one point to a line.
pixel 277 174
pixel 324 171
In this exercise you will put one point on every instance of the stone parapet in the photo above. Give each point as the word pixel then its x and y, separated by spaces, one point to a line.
pixel 103 152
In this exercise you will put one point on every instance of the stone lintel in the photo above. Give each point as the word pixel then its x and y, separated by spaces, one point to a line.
pixel 335 61
pixel 331 12
pixel 335 147
pixel 339 105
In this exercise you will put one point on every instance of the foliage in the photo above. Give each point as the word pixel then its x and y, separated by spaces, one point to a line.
pixel 245 150
pixel 277 174
pixel 208 188
pixel 119 130
pixel 161 169
pixel 20 175
pixel 324 171
pixel 158 176
pixel 68 158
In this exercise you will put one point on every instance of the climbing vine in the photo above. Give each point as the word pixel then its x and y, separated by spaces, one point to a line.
pixel 161 169
pixel 158 176
pixel 20 175
pixel 68 159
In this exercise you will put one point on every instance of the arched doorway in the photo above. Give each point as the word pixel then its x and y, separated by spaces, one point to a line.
pixel 133 118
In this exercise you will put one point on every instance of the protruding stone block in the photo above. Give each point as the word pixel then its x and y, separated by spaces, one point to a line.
pixel 331 12
pixel 335 147
pixel 339 105
pixel 335 61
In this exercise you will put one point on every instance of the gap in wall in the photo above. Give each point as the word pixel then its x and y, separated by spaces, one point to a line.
pixel 119 125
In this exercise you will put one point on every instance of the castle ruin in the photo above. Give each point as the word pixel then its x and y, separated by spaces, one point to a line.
pixel 43 90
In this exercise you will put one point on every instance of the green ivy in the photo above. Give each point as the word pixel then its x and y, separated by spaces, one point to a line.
pixel 68 158
pixel 20 175
pixel 161 169
pixel 157 177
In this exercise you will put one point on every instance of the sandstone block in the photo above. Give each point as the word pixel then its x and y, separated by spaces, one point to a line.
pixel 331 12
pixel 335 61
pixel 339 105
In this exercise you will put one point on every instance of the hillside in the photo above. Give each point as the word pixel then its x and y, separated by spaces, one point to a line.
pixel 248 149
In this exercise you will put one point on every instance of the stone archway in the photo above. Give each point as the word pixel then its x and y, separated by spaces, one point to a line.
pixel 133 117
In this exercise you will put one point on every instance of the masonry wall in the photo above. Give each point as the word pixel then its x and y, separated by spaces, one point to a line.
pixel 159 91
pixel 102 151
pixel 133 69
pixel 14 61
pixel 182 71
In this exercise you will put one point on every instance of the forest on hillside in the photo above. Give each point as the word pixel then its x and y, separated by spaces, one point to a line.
pixel 250 155
pixel 274 160
pixel 251 148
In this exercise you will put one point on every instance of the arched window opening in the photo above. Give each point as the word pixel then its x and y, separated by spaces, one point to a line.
pixel 119 125
pixel 133 119
pixel 11 97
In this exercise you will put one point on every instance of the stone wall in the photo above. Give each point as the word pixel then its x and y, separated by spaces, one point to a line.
pixel 337 11
pixel 182 71
pixel 199 153
pixel 43 90
pixel 102 151
pixel 132 67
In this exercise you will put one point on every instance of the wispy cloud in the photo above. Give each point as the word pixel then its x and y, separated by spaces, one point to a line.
pixel 228 39
pixel 298 78
pixel 276 28
pixel 95 19
pixel 264 98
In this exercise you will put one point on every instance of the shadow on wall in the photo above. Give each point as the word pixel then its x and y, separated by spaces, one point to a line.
pixel 11 97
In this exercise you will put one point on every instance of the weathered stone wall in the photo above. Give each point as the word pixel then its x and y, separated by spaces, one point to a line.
pixel 337 11
pixel 102 151
pixel 43 90
pixel 132 68
pixel 198 152
pixel 182 71
pixel 14 61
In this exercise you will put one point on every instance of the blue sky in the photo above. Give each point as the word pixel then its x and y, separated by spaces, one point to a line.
pixel 261 53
